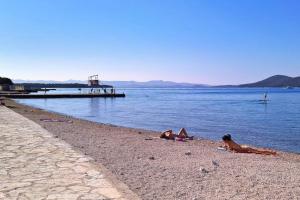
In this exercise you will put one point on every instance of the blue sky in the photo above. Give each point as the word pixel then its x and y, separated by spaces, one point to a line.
pixel 198 41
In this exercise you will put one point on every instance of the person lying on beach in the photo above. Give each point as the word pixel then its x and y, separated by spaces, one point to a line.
pixel 182 134
pixel 233 146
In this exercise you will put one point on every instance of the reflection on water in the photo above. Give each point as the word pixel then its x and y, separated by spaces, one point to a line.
pixel 205 112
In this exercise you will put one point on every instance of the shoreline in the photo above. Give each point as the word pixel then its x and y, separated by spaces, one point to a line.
pixel 149 166
pixel 152 132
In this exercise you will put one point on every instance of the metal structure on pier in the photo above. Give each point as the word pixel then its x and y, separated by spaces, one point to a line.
pixel 93 81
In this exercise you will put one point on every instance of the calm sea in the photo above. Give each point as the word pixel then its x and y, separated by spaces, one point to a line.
pixel 204 112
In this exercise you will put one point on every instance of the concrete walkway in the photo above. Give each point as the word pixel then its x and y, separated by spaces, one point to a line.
pixel 35 165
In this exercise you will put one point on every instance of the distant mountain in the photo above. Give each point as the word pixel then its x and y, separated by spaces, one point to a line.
pixel 152 84
pixel 273 81
pixel 49 81
pixel 127 84
pixel 276 81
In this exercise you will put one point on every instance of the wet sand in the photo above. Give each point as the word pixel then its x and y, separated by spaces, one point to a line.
pixel 154 168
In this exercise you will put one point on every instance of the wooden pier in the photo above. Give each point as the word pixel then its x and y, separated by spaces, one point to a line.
pixel 56 96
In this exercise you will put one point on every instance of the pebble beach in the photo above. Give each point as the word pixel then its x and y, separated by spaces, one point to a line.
pixel 154 168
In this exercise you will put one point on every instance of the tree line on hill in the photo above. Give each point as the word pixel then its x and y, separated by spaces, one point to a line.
pixel 5 81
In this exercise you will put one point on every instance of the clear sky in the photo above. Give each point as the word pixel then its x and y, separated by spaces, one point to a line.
pixel 198 41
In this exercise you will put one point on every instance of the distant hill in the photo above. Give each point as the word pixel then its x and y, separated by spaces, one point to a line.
pixel 152 84
pixel 49 81
pixel 34 86
pixel 276 81
pixel 273 81
pixel 124 84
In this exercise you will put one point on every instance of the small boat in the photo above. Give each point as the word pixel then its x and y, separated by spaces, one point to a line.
pixel 289 87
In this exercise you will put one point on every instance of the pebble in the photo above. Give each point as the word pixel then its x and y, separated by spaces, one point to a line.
pixel 203 170
pixel 152 158
pixel 215 163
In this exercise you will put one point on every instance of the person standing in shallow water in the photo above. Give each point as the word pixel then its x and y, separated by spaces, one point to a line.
pixel 265 96
pixel 233 146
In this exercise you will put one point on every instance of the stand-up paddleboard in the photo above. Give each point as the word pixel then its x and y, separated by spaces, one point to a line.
pixel 263 101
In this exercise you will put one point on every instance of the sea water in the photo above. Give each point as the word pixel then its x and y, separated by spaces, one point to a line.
pixel 204 112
